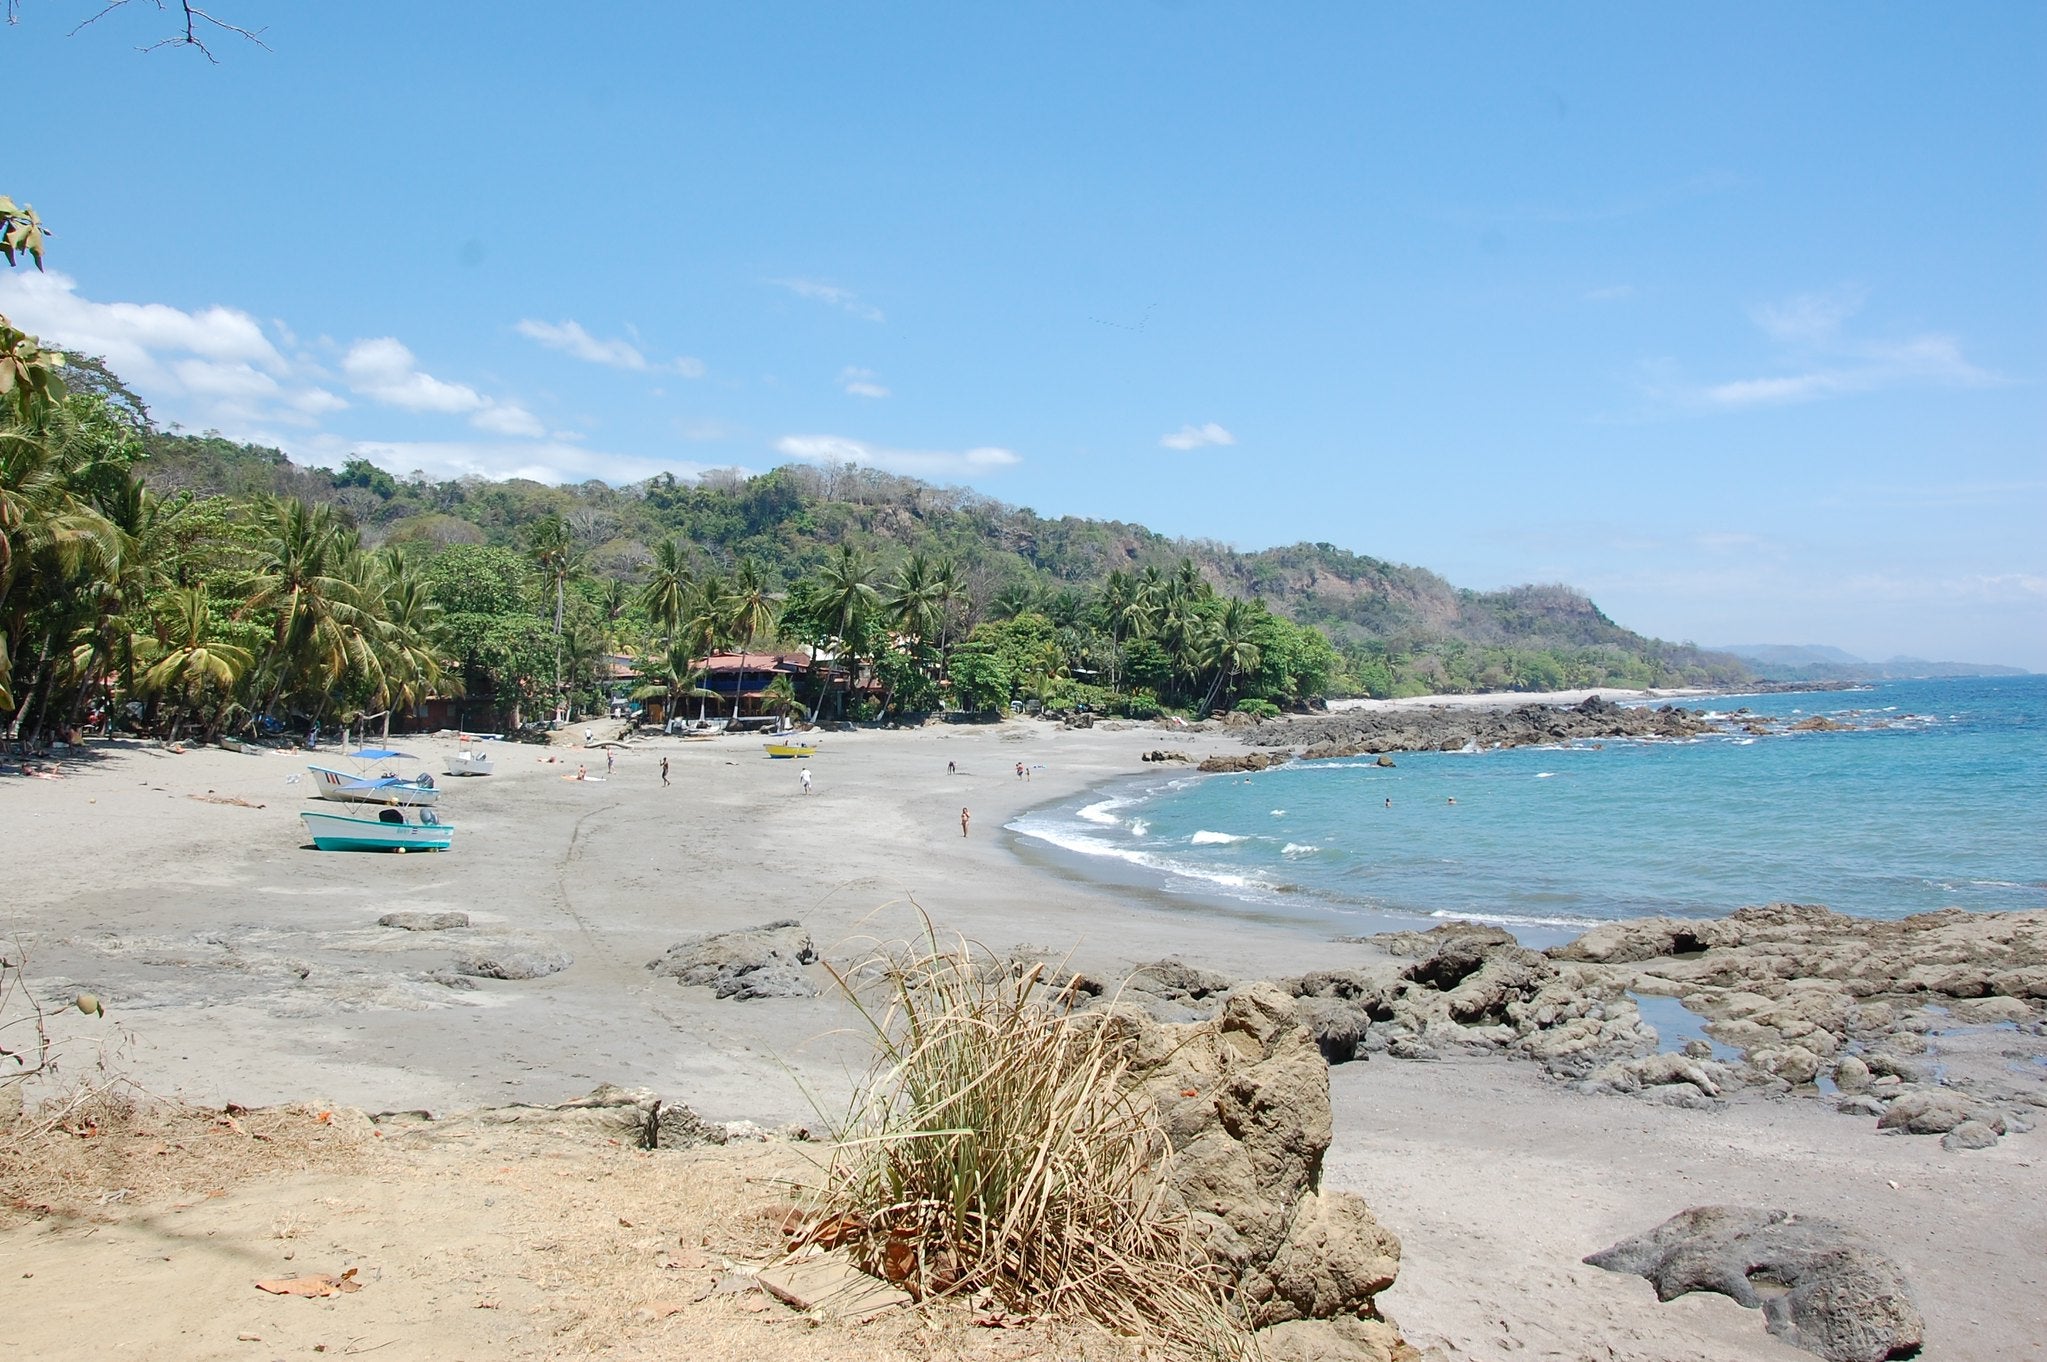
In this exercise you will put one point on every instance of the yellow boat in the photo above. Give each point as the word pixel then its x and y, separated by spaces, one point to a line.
pixel 790 749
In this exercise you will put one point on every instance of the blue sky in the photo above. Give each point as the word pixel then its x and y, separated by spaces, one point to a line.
pixel 1734 316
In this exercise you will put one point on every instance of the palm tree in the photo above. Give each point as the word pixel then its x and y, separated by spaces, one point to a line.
pixel 749 609
pixel 680 678
pixel 1017 598
pixel 666 594
pixel 555 551
pixel 306 571
pixel 192 662
pixel 845 598
pixel 408 660
pixel 1231 649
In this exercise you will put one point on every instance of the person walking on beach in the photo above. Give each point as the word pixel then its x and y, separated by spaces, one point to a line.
pixel 952 768
pixel 664 772
pixel 804 776
pixel 965 818
pixel 1019 771
pixel 610 760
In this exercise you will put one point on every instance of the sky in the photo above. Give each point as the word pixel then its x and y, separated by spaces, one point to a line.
pixel 1733 316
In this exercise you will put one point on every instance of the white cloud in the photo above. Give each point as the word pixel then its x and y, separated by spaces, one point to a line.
pixel 1809 318
pixel 923 463
pixel 833 295
pixel 570 338
pixel 508 418
pixel 1823 358
pixel 210 363
pixel 545 461
pixel 385 371
pixel 1195 437
pixel 861 382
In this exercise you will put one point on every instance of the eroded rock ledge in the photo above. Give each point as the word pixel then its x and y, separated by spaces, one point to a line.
pixel 1929 1025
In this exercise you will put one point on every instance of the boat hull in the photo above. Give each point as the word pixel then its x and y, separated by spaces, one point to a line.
pixel 329 783
pixel 341 832
pixel 468 765
pixel 785 749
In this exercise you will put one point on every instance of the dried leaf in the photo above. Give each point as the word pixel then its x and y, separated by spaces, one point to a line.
pixel 314 1286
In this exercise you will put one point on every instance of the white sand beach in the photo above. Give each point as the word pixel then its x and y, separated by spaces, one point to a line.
pixel 240 965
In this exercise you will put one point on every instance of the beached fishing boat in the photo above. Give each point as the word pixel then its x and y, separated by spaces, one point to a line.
pixel 469 764
pixel 393 828
pixel 791 749
pixel 361 787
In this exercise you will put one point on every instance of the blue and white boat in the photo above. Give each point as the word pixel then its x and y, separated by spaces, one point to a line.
pixel 392 828
pixel 361 787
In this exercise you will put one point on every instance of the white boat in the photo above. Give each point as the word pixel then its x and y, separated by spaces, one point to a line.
pixel 392 828
pixel 468 764
pixel 361 786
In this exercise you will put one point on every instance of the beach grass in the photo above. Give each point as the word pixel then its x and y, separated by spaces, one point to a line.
pixel 994 1151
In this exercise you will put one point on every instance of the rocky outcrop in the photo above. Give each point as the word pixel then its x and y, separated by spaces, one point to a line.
pixel 1158 754
pixel 1917 1021
pixel 630 1116
pixel 1819 1288
pixel 1230 763
pixel 1436 728
pixel 1474 991
pixel 751 963
pixel 1244 1101
pixel 512 964
pixel 424 922
pixel 1174 991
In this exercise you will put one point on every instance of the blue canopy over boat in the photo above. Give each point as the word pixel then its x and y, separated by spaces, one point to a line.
pixel 379 754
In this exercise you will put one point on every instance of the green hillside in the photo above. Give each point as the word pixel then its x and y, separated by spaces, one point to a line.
pixel 1399 629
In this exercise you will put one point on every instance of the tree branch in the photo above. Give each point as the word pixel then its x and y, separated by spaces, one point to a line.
pixel 196 20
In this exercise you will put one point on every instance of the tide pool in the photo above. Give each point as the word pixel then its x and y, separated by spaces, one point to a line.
pixel 1936 798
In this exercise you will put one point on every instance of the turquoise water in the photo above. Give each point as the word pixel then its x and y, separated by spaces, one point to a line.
pixel 1945 805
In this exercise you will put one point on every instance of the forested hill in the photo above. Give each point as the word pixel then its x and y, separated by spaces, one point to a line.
pixel 1402 630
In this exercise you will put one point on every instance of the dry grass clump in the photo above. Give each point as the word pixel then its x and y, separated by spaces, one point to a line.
pixel 104 1146
pixel 993 1151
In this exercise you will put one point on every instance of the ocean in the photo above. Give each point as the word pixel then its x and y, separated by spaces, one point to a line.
pixel 1936 797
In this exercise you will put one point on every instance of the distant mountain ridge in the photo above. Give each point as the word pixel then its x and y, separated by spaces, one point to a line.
pixel 1822 662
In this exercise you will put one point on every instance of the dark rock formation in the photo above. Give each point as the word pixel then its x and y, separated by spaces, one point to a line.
pixel 754 962
pixel 1358 732
pixel 1818 1287
pixel 1244 761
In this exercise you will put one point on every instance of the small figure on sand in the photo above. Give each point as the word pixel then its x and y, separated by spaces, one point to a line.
pixel 804 776
pixel 952 768
pixel 1019 771
pixel 582 772
pixel 610 760
pixel 965 818
pixel 589 736
pixel 664 771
